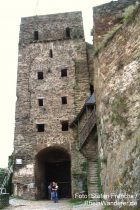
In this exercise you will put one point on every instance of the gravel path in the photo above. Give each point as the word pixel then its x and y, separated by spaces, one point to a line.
pixel 18 204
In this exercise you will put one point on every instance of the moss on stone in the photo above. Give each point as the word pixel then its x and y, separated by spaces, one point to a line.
pixel 130 12
pixel 128 16
pixel 107 38
pixel 119 108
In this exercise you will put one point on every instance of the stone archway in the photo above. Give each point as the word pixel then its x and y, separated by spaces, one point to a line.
pixel 53 164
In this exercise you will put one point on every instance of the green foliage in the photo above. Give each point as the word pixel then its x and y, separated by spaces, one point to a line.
pixel 92 31
pixel 118 119
pixel 84 166
pixel 107 38
pixel 108 208
pixel 104 160
pixel 128 16
pixel 4 200
pixel 84 169
pixel 11 160
pixel 130 12
pixel 119 108
pixel 2 174
pixel 77 201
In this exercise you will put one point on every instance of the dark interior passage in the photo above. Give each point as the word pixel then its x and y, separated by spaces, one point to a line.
pixel 59 172
pixel 53 164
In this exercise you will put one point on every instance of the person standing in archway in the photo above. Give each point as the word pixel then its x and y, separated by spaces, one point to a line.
pixel 54 192
pixel 49 191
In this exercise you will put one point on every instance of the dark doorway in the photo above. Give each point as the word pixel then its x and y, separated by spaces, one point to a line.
pixel 60 172
pixel 53 164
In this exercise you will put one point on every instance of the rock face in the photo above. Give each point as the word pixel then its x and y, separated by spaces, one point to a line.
pixel 52 85
pixel 117 87
pixel 106 16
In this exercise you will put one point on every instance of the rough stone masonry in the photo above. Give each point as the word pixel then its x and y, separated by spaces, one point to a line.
pixel 117 87
pixel 52 86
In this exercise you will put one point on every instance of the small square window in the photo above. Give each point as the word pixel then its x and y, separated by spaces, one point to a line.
pixel 64 99
pixel 65 126
pixel 40 127
pixel 36 35
pixel 63 72
pixel 40 101
pixel 40 75
pixel 67 32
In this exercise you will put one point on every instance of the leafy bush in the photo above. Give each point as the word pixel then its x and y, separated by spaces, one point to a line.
pixel 2 175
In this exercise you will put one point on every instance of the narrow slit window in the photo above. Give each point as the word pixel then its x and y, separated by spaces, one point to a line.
pixel 40 75
pixel 40 127
pixel 91 89
pixel 64 99
pixel 36 35
pixel 63 72
pixel 65 126
pixel 67 32
pixel 51 53
pixel 40 101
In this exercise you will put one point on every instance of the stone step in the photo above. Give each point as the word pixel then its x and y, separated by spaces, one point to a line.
pixel 93 180
pixel 93 183
pixel 93 173
pixel 93 190
pixel 93 169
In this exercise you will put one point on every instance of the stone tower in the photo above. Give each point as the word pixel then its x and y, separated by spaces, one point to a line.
pixel 52 86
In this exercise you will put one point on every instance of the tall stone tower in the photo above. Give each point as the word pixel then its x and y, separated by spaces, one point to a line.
pixel 52 86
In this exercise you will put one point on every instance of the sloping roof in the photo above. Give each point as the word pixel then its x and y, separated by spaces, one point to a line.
pixel 89 102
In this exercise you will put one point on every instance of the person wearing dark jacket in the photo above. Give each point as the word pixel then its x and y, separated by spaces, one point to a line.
pixel 54 192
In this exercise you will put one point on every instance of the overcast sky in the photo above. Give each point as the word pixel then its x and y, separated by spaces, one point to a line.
pixel 10 13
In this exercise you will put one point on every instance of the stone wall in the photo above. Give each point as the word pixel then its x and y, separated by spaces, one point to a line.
pixel 117 88
pixel 51 27
pixel 106 16
pixel 90 65
pixel 34 56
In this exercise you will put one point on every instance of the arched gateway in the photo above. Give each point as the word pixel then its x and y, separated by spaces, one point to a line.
pixel 52 86
pixel 53 164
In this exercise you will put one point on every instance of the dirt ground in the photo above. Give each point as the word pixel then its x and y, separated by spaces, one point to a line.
pixel 18 204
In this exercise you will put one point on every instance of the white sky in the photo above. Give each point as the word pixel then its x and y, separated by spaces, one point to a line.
pixel 10 13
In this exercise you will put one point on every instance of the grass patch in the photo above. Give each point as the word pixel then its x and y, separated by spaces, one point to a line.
pixel 108 208
pixel 77 201
pixel 130 12
pixel 128 16
pixel 107 38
